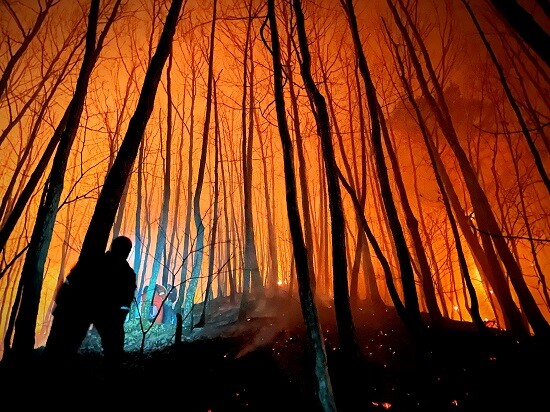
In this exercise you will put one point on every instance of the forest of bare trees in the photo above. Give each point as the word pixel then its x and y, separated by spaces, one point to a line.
pixel 370 154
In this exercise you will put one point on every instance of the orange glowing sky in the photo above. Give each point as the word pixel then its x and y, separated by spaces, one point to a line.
pixel 475 98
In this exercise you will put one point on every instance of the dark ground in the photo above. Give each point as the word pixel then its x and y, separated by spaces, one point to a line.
pixel 261 365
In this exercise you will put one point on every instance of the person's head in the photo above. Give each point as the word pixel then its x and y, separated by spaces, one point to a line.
pixel 121 246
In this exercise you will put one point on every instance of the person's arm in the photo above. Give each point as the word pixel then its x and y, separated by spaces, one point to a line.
pixel 130 290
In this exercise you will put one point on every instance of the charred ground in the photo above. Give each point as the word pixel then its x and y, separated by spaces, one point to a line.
pixel 262 364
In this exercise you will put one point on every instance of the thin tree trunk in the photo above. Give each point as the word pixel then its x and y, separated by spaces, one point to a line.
pixel 251 271
pixel 414 321
pixel 228 241
pixel 103 217
pixel 323 229
pixel 412 224
pixel 186 252
pixel 138 236
pixel 199 226
pixel 272 276
pixel 394 295
pixel 175 245
pixel 33 269
pixel 302 166
pixel 474 311
pixel 344 318
pixel 160 245
pixel 69 219
pixel 214 229
pixel 309 311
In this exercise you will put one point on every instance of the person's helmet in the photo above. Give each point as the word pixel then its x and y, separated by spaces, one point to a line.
pixel 121 246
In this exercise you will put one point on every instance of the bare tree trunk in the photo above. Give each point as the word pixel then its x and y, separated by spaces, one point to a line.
pixel 69 220
pixel 215 217
pixel 120 213
pixel 354 269
pixel 373 294
pixel 302 166
pixel 309 311
pixel 102 220
pixel 117 226
pixel 160 245
pixel 197 261
pixel 228 241
pixel 396 300
pixel 186 252
pixel 344 318
pixel 412 224
pixel 414 321
pixel 272 276
pixel 251 273
pixel 236 225
pixel 173 255
pixel 429 244
pixel 33 268
pixel 138 235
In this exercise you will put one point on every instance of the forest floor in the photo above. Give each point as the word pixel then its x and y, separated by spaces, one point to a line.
pixel 262 364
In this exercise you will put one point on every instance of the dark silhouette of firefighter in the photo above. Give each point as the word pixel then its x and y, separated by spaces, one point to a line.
pixel 96 292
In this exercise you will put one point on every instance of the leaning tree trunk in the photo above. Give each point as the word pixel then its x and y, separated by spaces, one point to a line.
pixel 412 224
pixel 344 318
pixel 69 219
pixel 103 217
pixel 480 203
pixel 373 292
pixel 309 311
pixel 344 155
pixel 474 311
pixel 407 276
pixel 394 295
pixel 33 269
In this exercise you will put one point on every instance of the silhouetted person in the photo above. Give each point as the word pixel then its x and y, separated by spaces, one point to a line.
pixel 97 291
